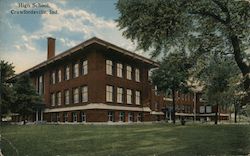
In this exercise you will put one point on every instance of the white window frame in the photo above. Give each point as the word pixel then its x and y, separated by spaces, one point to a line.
pixel 83 116
pixel 66 95
pixel 109 67
pixel 53 99
pixel 59 98
pixel 110 116
pixel 84 94
pixel 109 93
pixel 85 67
pixel 122 116
pixel 119 69
pixel 137 97
pixel 53 77
pixel 67 74
pixel 74 117
pixel 129 96
pixel 76 95
pixel 129 72
pixel 137 75
pixel 59 75
pixel 120 93
pixel 76 70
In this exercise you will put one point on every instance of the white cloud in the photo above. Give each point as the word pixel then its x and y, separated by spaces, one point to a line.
pixel 25 52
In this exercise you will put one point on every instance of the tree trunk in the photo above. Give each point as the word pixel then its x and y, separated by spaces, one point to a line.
pixel 216 115
pixel 235 113
pixel 173 96
pixel 244 68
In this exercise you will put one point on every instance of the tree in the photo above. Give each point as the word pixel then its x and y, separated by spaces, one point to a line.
pixel 201 26
pixel 26 97
pixel 219 75
pixel 7 71
pixel 172 75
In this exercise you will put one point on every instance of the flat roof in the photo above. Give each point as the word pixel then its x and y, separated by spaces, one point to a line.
pixel 86 43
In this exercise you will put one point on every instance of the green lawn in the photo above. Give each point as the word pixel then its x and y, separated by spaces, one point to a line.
pixel 150 139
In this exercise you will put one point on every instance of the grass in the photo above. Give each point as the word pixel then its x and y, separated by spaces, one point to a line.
pixel 115 140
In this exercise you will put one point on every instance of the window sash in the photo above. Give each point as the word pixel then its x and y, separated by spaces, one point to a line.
pixel 59 76
pixel 67 97
pixel 59 98
pixel 129 96
pixel 53 76
pixel 53 99
pixel 109 67
pixel 119 95
pixel 129 72
pixel 109 93
pixel 137 75
pixel 76 95
pixel 74 117
pixel 67 73
pixel 110 116
pixel 119 70
pixel 84 94
pixel 76 70
pixel 138 97
pixel 85 67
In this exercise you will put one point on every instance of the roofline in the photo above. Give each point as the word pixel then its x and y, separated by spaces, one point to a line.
pixel 85 44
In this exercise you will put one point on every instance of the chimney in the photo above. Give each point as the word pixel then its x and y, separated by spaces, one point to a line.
pixel 51 47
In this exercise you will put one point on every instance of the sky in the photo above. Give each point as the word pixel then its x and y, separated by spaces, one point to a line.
pixel 23 40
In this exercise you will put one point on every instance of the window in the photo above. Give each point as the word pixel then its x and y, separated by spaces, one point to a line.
pixel 76 70
pixel 74 116
pixel 59 74
pixel 53 99
pixel 202 109
pixel 59 98
pixel 83 117
pixel 130 117
pixel 208 109
pixel 53 78
pixel 57 117
pixel 119 70
pixel 109 67
pixel 119 95
pixel 76 95
pixel 65 117
pixel 122 117
pixel 111 116
pixel 139 117
pixel 109 93
pixel 138 97
pixel 84 93
pixel 129 72
pixel 66 76
pixel 137 75
pixel 129 96
pixel 85 67
pixel 66 97
pixel 40 85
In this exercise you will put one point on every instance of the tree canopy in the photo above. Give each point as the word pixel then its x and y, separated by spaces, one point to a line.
pixel 199 27
pixel 26 97
pixel 172 75
pixel 7 71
